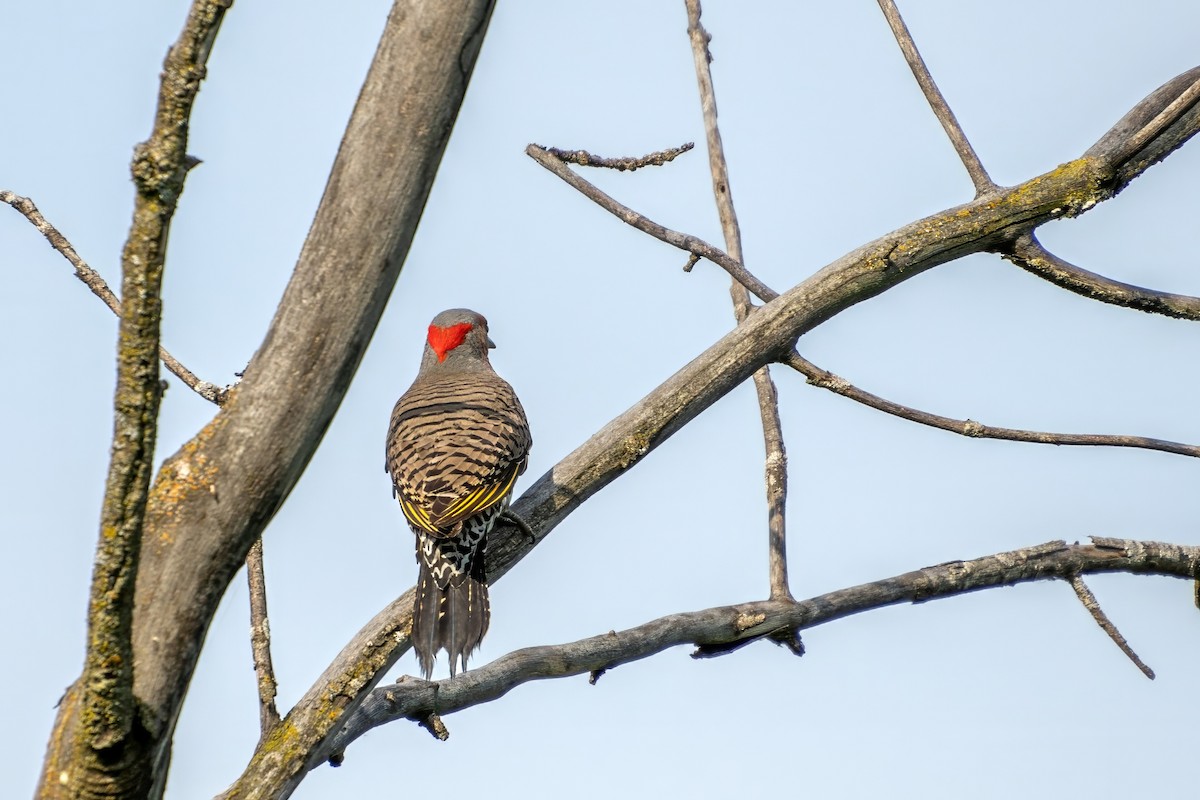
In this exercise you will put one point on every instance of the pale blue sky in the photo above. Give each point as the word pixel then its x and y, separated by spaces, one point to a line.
pixel 830 144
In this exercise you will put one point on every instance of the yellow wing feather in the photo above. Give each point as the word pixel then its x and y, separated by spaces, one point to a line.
pixel 480 498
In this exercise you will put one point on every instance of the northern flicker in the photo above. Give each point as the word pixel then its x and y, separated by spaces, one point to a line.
pixel 458 439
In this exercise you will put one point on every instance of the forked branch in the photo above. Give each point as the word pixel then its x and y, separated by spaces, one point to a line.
pixel 93 280
pixel 683 241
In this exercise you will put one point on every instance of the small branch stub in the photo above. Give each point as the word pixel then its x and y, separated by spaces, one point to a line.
pixel 433 723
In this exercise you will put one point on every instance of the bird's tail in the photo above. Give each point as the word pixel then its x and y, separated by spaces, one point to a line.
pixel 452 608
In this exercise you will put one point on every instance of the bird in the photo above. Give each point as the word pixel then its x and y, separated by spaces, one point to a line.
pixel 457 440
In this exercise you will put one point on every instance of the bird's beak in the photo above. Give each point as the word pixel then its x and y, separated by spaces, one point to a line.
pixel 491 344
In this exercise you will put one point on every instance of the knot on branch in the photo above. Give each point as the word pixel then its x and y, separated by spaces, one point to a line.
pixel 158 172
pixel 745 622
pixel 827 380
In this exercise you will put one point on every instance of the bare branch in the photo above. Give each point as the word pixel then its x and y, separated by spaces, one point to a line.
pixel 941 109
pixel 683 241
pixel 768 400
pixel 1029 254
pixel 260 641
pixel 92 279
pixel 111 753
pixel 969 427
pixel 585 159
pixel 1093 606
pixel 413 698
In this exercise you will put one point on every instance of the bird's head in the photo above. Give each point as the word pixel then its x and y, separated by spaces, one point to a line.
pixel 457 337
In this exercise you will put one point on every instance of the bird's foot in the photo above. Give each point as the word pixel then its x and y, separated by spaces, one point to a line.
pixel 509 516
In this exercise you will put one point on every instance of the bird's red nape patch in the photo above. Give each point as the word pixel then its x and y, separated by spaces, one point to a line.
pixel 443 340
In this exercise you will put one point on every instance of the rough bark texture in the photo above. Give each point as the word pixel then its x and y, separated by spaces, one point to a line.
pixel 215 496
pixel 100 746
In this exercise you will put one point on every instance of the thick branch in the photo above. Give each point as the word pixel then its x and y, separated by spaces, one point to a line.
pixel 941 109
pixel 110 754
pixel 767 335
pixel 1028 254
pixel 768 400
pixel 93 281
pixel 969 427
pixel 413 698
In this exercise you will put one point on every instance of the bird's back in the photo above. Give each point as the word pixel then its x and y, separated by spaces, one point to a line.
pixel 453 438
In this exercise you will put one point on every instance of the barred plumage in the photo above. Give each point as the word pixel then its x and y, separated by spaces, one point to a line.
pixel 458 439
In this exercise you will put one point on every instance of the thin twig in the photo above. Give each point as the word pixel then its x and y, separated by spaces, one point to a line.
pixel 92 279
pixel 1093 606
pixel 768 399
pixel 260 641
pixel 1029 254
pixel 585 159
pixel 968 427
pixel 683 241
pixel 709 629
pixel 979 176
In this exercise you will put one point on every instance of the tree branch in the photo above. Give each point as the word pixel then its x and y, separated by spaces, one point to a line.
pixel 969 427
pixel 1093 606
pixel 110 754
pixel 585 159
pixel 413 698
pixel 92 279
pixel 1029 254
pixel 687 242
pixel 941 109
pixel 260 641
pixel 768 399
pixel 766 335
